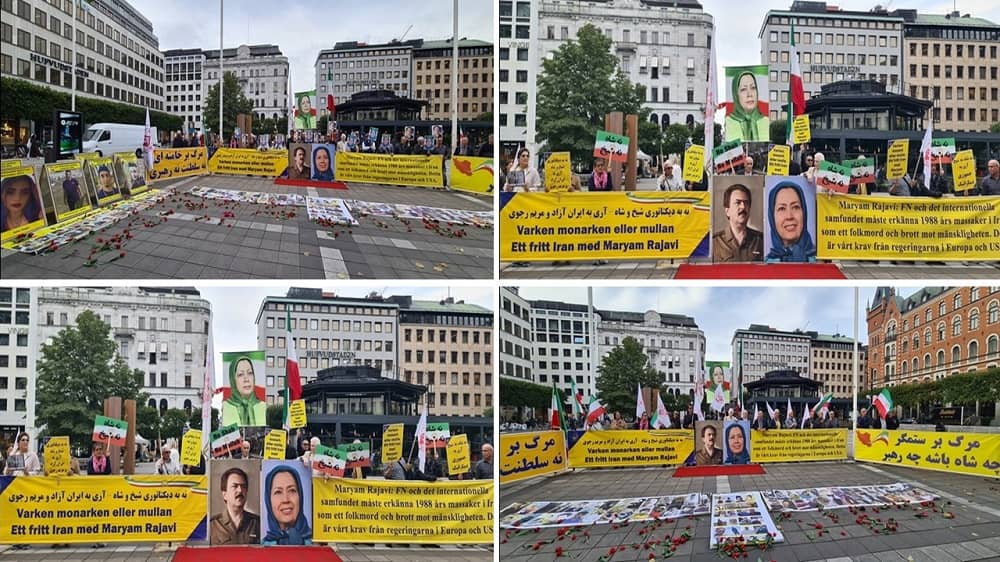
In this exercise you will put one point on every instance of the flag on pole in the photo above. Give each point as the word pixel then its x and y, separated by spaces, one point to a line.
pixel 293 382
pixel 207 387
pixel 640 404
pixel 421 436
pixel 796 94
pixel 661 417
pixel 925 152
pixel 883 402
pixel 788 409
pixel 147 144
pixel 558 421
pixel 755 411
pixel 823 403
pixel 806 414
pixel 291 105
pixel 770 411
pixel 711 103
pixel 577 399
pixel 594 411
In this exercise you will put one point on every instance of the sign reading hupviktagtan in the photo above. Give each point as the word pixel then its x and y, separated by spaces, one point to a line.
pixel 525 455
pixel 458 454
pixel 694 163
pixel 557 172
pixel 632 225
pixel 895 164
pixel 963 170
pixel 248 162
pixel 903 228
pixel 42 509
pixel 609 449
pixel 611 146
pixel 392 442
pixel 778 160
pixel 178 162
pixel 390 511
pixel 421 171
pixel 951 451
pixel 789 446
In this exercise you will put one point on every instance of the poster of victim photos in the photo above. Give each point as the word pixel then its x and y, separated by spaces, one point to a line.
pixel 743 514
pixel 812 499
pixel 329 209
pixel 419 212
pixel 590 512
pixel 250 197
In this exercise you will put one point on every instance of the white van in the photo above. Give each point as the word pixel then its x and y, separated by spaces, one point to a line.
pixel 108 138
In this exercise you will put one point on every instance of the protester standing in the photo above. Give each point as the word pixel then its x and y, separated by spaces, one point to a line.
pixel 990 184
pixel 484 468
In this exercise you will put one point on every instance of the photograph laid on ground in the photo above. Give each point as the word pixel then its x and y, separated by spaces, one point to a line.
pixel 628 184
pixel 710 425
pixel 355 418
pixel 279 162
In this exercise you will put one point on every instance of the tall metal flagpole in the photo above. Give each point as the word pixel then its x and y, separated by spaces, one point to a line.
pixel 72 82
pixel 454 76
pixel 854 426
pixel 220 70
pixel 593 336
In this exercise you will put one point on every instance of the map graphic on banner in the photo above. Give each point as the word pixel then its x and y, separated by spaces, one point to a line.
pixel 742 515
pixel 592 512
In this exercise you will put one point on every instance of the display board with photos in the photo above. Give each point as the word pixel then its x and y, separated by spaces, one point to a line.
pixel 542 514
pixel 742 516
pixel 833 497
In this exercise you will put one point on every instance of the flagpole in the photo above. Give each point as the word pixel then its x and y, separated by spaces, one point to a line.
pixel 593 338
pixel 454 75
pixel 221 80
pixel 854 426
pixel 72 83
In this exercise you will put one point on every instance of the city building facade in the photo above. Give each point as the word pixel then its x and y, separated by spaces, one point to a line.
pixel 432 78
pixel 674 343
pixel 447 346
pixel 351 67
pixel 517 68
pixel 952 60
pixel 162 332
pixel 933 333
pixel 561 346
pixel 515 335
pixel 262 72
pixel 19 344
pixel 760 349
pixel 185 86
pixel 329 331
pixel 833 45
pixel 832 358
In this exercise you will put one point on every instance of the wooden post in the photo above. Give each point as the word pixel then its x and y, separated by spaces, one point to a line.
pixel 113 409
pixel 613 124
pixel 130 437
pixel 632 126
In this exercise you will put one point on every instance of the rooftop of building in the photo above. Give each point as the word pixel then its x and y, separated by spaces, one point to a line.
pixel 463 43
pixel 181 52
pixel 255 51
pixel 447 306
pixel 689 4
pixel 639 317
pixel 415 45
pixel 952 20
pixel 905 304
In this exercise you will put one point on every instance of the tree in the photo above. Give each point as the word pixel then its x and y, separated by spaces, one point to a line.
pixel 675 139
pixel 233 104
pixel 577 87
pixel 995 128
pixel 77 371
pixel 275 416
pixel 698 134
pixel 487 117
pixel 517 394
pixel 620 372
pixel 195 419
pixel 779 131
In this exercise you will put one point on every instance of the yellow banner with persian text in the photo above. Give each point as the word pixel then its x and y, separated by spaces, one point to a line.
pixel 631 447
pixel 391 511
pixel 178 162
pixel 795 445
pixel 72 509
pixel 389 169
pixel 565 226
pixel 248 162
pixel 530 454
pixel 951 451
pixel 855 227
pixel 472 174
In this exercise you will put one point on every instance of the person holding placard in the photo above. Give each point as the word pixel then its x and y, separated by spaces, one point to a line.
pixel 600 180
pixel 99 463
pixel 21 461
pixel 522 177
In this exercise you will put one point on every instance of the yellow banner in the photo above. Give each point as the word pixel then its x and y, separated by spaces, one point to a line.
pixel 472 174
pixel 694 163
pixel 392 443
pixel 178 162
pixel 4 164
pixel 963 170
pixel 57 456
pixel 297 413
pixel 564 226
pixel 557 172
pixel 70 509
pixel 191 448
pixel 248 162
pixel 32 215
pixel 778 160
pixel 951 451
pixel 458 454
pixel 631 447
pixel 855 227
pixel 86 155
pixel 391 511
pixel 794 445
pixel 421 171
pixel 895 164
pixel 530 454
pixel 801 133
pixel 274 444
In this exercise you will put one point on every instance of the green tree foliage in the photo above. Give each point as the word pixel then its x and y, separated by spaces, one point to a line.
pixel 995 128
pixel 963 388
pixel 517 394
pixel 619 373
pixel 577 87
pixel 76 372
pixel 275 416
pixel 779 134
pixel 195 419
pixel 233 103
pixel 27 100
pixel 675 138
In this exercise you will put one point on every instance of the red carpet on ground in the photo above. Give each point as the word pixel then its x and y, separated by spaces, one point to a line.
pixel 759 271
pixel 718 470
pixel 256 554
pixel 309 183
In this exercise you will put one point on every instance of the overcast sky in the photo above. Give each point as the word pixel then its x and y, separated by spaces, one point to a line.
pixel 234 309
pixel 302 29
pixel 720 311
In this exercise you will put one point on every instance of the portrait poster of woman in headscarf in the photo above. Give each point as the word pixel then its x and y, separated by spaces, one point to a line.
pixel 747 116
pixel 790 228
pixel 286 504
pixel 736 442
pixel 243 400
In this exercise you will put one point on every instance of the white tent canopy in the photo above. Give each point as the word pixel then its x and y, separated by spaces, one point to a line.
pixel 642 155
